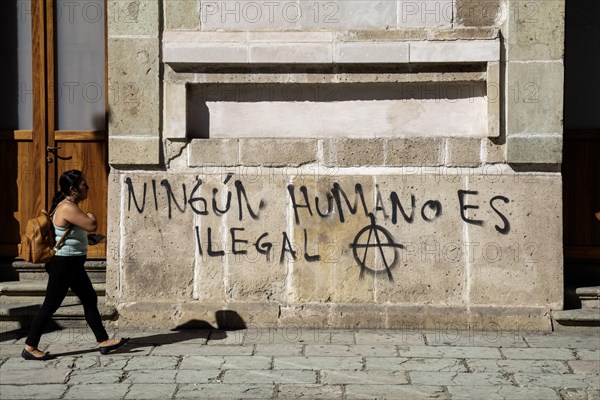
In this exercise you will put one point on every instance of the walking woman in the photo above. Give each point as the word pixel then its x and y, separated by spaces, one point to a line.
pixel 66 269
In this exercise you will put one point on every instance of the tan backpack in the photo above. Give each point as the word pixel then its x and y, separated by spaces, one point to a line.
pixel 37 244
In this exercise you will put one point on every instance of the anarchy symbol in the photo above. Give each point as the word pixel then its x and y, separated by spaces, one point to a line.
pixel 378 233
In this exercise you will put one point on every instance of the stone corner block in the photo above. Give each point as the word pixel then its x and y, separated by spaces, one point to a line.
pixel 182 14
pixel 534 149
pixel 535 30
pixel 126 17
pixel 174 114
pixel 141 150
pixel 455 51
pixel 277 152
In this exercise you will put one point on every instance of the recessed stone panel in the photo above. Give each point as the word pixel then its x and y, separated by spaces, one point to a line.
pixel 157 256
pixel 516 260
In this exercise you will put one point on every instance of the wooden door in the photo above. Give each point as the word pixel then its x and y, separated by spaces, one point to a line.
pixel 65 127
pixel 581 144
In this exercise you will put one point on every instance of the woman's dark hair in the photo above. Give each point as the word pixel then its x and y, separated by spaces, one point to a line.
pixel 69 179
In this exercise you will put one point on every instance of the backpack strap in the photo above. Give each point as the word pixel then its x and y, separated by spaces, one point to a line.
pixel 63 238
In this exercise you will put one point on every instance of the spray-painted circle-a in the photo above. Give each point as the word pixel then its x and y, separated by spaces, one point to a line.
pixel 380 239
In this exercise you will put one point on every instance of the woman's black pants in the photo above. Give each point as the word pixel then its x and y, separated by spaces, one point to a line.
pixel 65 273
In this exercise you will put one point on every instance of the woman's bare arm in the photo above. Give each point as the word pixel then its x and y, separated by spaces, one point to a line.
pixel 72 214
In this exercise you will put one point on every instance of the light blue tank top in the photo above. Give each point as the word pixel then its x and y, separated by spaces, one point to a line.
pixel 75 244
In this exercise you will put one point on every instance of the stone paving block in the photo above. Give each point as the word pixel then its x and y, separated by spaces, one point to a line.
pixel 291 335
pixel 280 376
pixel 512 366
pixel 244 362
pixel 202 362
pixel 97 391
pixel 45 392
pixel 457 378
pixel 538 354
pixel 585 367
pixel 153 362
pixel 31 377
pixel 95 376
pixel 415 364
pixel 310 392
pixel 475 338
pixel 216 350
pixel 411 392
pixel 502 392
pixel 104 362
pixel 18 363
pixel 365 377
pixel 317 363
pixel 563 341
pixel 216 391
pixel 390 337
pixel 588 354
pixel 448 352
pixel 198 376
pixel 151 391
pixel 278 350
pixel 580 394
pixel 151 376
pixel 342 350
pixel 557 380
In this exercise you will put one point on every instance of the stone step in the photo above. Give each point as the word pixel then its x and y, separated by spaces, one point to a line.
pixel 18 312
pixel 21 270
pixel 37 288
pixel 589 296
pixel 580 317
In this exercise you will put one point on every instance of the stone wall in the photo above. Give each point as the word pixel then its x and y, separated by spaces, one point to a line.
pixel 310 215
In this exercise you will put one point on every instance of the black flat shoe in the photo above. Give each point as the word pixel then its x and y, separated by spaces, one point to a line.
pixel 28 356
pixel 107 349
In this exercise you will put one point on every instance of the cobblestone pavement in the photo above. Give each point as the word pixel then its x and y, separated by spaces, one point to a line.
pixel 308 364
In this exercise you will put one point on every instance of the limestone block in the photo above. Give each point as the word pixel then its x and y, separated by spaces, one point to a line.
pixel 213 152
pixel 494 99
pixel 507 318
pixel 534 98
pixel 327 269
pixel 429 268
pixel 134 150
pixel 535 30
pixel 250 15
pixel 463 51
pixel 176 154
pixel 338 15
pixel 289 37
pixel 415 152
pixel 463 152
pixel 425 13
pixel 113 237
pixel 356 52
pixel 305 315
pixel 256 314
pixel 137 17
pixel 277 152
pixel 358 316
pixel 147 315
pixel 182 14
pixel 413 320
pixel 133 70
pixel 470 33
pixel 534 149
pixel 206 53
pixel 379 35
pixel 174 113
pixel 296 53
pixel 480 12
pixel 252 276
pixel 353 152
pixel 516 261
pixel 158 247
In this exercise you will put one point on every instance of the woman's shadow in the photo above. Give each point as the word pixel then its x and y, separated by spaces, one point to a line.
pixel 227 321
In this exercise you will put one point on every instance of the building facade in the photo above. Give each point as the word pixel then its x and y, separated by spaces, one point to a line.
pixel 368 164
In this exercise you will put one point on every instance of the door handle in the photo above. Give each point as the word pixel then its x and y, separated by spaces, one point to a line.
pixel 54 150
